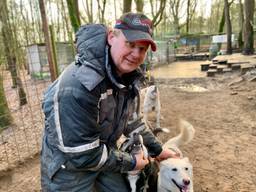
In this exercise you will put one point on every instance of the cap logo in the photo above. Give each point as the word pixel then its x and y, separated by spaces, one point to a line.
pixel 142 22
pixel 137 21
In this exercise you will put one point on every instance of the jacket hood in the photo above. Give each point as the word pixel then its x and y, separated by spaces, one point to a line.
pixel 90 44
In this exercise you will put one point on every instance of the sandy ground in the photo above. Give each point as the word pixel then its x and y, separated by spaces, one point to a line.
pixel 222 110
pixel 223 150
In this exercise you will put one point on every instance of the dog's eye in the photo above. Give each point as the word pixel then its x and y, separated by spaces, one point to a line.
pixel 174 169
pixel 186 168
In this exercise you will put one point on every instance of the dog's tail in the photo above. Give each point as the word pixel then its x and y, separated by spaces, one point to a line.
pixel 187 132
pixel 156 130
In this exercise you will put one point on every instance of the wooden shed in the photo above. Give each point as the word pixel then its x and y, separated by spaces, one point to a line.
pixel 37 58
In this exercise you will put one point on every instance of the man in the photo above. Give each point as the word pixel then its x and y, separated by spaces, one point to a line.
pixel 88 107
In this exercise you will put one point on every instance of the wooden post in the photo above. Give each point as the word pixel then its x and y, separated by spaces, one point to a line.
pixel 47 40
pixel 54 51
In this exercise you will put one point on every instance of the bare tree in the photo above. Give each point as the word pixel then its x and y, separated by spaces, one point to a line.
pixel 241 24
pixel 101 10
pixel 158 12
pixel 48 41
pixel 11 51
pixel 222 21
pixel 139 5
pixel 213 22
pixel 89 10
pixel 127 6
pixel 36 32
pixel 191 7
pixel 228 27
pixel 74 15
pixel 5 115
pixel 26 25
pixel 67 26
pixel 188 16
pixel 175 10
pixel 248 27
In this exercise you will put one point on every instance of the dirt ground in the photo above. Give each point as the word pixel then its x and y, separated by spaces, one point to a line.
pixel 222 111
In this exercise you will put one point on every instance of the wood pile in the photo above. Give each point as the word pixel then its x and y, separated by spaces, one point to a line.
pixel 224 66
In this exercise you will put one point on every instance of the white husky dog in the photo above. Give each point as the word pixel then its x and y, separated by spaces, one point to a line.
pixel 151 103
pixel 176 174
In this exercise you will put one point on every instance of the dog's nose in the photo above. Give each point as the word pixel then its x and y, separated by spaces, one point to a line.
pixel 186 181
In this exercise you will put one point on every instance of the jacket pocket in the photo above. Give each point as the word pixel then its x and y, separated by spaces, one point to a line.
pixel 107 109
pixel 51 159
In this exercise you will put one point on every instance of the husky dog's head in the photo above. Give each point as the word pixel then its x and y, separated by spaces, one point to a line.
pixel 176 175
pixel 152 92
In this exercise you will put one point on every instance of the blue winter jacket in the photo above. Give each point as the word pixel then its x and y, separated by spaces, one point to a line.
pixel 88 108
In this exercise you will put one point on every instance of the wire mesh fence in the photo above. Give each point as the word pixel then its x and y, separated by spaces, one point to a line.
pixel 20 138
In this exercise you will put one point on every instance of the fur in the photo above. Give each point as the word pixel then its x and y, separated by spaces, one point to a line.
pixel 173 174
pixel 176 175
pixel 134 145
pixel 151 104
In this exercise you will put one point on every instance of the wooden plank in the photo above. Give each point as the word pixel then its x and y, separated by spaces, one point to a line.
pixel 222 61
pixel 204 67
pixel 211 72
pixel 227 70
pixel 236 67
pixel 244 69
pixel 212 66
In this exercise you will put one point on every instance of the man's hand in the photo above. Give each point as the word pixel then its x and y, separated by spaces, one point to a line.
pixel 167 153
pixel 141 162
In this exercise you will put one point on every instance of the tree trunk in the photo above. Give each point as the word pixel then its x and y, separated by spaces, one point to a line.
pixel 241 24
pixel 77 11
pixel 47 41
pixel 127 6
pixel 248 27
pixel 221 25
pixel 89 10
pixel 11 52
pixel 228 27
pixel 139 5
pixel 74 14
pixel 54 50
pixel 174 9
pixel 33 36
pixel 69 30
pixel 5 115
pixel 101 10
pixel 157 17
pixel 187 20
pixel 21 92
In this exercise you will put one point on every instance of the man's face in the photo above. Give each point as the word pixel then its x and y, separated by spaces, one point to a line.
pixel 127 56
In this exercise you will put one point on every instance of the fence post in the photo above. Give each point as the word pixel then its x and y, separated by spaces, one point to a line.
pixel 54 51
pixel 167 52
pixel 47 40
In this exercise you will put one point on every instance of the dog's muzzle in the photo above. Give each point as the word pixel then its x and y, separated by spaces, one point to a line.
pixel 183 188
